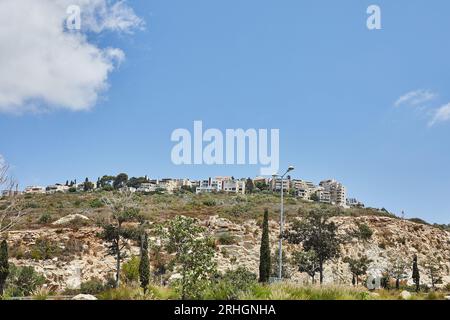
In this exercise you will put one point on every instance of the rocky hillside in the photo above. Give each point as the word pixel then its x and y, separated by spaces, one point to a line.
pixel 69 256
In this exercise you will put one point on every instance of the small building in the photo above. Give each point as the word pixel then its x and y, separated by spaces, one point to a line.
pixel 56 188
pixel 34 190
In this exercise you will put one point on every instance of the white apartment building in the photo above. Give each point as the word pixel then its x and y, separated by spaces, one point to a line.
pixel 275 184
pixel 147 187
pixel 323 195
pixel 56 188
pixel 34 189
pixel 338 193
pixel 209 186
pixel 234 186
pixel 304 189
pixel 218 184
pixel 352 202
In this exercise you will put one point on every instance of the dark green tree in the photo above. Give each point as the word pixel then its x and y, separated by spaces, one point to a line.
pixel 249 186
pixel 261 185
pixel 308 262
pixel 315 197
pixel 358 267
pixel 316 232
pixel 4 265
pixel 120 181
pixel 416 274
pixel 107 181
pixel 144 264
pixel 136 182
pixel 88 186
pixel 264 259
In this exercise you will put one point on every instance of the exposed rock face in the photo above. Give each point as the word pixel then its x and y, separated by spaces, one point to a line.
pixel 69 218
pixel 89 260
pixel 390 237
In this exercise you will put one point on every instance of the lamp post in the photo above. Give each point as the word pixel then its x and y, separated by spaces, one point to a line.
pixel 280 244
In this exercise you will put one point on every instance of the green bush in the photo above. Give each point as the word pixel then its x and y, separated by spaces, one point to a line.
pixel 44 249
pixel 209 202
pixel 93 286
pixel 226 238
pixel 130 270
pixel 22 281
pixel 364 232
pixel 45 218
pixel 96 203
pixel 231 285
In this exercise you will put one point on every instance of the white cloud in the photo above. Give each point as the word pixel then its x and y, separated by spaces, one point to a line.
pixel 442 114
pixel 44 67
pixel 98 16
pixel 415 98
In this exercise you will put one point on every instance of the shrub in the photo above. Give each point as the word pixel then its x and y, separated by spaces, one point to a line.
pixel 419 221
pixel 22 281
pixel 122 293
pixel 43 249
pixel 45 218
pixel 93 286
pixel 364 232
pixel 231 285
pixel 96 203
pixel 209 202
pixel 226 238
pixel 130 270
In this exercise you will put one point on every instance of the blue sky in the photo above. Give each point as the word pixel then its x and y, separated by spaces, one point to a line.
pixel 310 68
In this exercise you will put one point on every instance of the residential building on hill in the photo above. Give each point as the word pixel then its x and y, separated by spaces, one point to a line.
pixel 338 193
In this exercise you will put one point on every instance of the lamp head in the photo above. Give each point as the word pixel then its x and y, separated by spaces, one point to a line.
pixel 291 168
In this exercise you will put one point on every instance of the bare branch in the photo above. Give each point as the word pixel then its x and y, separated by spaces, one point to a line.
pixel 12 210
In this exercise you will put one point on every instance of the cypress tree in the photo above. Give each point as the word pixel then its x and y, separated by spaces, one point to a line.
pixel 264 259
pixel 144 264
pixel 4 265
pixel 416 274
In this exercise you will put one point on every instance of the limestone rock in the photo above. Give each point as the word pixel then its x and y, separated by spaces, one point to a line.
pixel 69 218
pixel 405 295
pixel 84 297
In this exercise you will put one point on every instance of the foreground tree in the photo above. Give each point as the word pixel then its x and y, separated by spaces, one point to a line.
pixel 192 255
pixel 416 273
pixel 398 270
pixel 308 262
pixel 358 267
pixel 432 268
pixel 285 274
pixel 264 258
pixel 4 265
pixel 144 263
pixel 11 211
pixel 124 209
pixel 316 232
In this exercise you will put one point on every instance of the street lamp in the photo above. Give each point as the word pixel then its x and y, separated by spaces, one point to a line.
pixel 280 244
